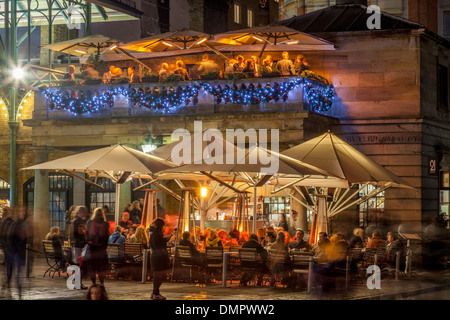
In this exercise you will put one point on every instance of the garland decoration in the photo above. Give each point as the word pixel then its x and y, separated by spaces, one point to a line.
pixel 318 95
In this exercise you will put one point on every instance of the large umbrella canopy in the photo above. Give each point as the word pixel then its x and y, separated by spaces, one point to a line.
pixel 172 40
pixel 119 163
pixel 115 162
pixel 270 37
pixel 88 45
pixel 334 155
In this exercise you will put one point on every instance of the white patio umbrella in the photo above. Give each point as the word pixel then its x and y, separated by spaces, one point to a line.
pixel 334 155
pixel 117 162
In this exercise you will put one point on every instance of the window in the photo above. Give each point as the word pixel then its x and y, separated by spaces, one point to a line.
pixel 447 24
pixel 98 197
pixel 60 187
pixel 250 18
pixel 371 211
pixel 4 190
pixel 273 207
pixel 237 13
pixel 442 88
pixel 444 196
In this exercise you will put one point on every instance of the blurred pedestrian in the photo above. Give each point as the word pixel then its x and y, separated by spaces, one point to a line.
pixel 79 233
pixel 163 72
pixel 135 212
pixel 159 257
pixel 13 241
pixel 160 211
pixel 96 292
pixel 97 235
pixel 68 220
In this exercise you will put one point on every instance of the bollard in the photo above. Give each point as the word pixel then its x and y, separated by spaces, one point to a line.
pixel 397 265
pixel 347 271
pixel 27 260
pixel 144 265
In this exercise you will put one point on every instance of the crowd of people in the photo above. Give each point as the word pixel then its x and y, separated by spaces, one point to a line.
pixel 251 66
pixel 329 252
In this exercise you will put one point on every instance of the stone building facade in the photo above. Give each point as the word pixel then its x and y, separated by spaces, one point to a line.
pixel 386 106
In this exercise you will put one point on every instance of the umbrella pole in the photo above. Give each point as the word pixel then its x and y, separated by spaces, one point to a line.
pixel 176 236
pixel 255 216
pixel 117 208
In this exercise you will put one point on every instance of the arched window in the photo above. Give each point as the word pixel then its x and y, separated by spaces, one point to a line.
pixel 60 188
pixel 97 197
pixel 4 194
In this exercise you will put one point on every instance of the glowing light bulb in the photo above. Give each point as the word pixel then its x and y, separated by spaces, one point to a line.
pixel 204 192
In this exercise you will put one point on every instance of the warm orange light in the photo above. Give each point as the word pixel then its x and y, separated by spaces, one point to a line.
pixel 204 192
pixel 201 41
pixel 167 44
pixel 258 38
pixel 113 47
pixel 81 51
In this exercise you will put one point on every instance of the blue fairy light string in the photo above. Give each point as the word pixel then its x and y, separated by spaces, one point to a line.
pixel 318 95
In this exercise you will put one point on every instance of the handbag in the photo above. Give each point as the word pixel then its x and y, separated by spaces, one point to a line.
pixel 86 253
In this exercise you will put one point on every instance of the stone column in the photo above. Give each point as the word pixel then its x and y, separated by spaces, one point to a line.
pixel 79 191
pixel 41 193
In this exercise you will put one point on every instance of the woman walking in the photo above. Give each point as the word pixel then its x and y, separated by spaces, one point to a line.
pixel 97 235
pixel 159 258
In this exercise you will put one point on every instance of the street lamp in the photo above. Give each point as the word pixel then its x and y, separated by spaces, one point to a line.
pixel 17 73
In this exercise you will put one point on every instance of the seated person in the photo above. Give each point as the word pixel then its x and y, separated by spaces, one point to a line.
pixel 356 241
pixel 239 65
pixel 261 266
pixel 300 64
pixel 243 237
pixel 132 77
pixel 63 256
pixel 70 75
pixel 299 243
pixel 393 245
pixel 88 72
pixel 207 66
pixel 108 76
pixel 186 241
pixel 376 241
pixel 249 69
pixel 163 72
pixel 117 237
pixel 213 239
pixel 140 237
pixel 230 67
pixel 280 266
pixel 233 237
pixel 125 222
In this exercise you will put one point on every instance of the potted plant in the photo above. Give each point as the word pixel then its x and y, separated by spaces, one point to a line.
pixel 212 75
pixel 150 77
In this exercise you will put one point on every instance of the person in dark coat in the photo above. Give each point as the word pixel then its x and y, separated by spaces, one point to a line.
pixel 97 236
pixel 13 242
pixel 356 241
pixel 159 257
pixel 78 233
pixel 299 243
pixel 262 265
pixel 185 241
pixel 135 213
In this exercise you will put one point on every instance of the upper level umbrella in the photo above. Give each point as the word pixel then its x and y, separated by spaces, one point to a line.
pixel 270 38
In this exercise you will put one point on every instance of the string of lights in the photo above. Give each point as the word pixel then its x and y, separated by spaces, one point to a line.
pixel 319 96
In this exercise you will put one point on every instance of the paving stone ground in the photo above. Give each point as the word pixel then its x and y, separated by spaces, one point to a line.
pixel 36 287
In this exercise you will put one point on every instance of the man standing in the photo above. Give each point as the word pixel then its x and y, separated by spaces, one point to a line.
pixel 285 66
pixel 132 77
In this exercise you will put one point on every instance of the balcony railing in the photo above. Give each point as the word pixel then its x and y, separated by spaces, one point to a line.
pixel 187 97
